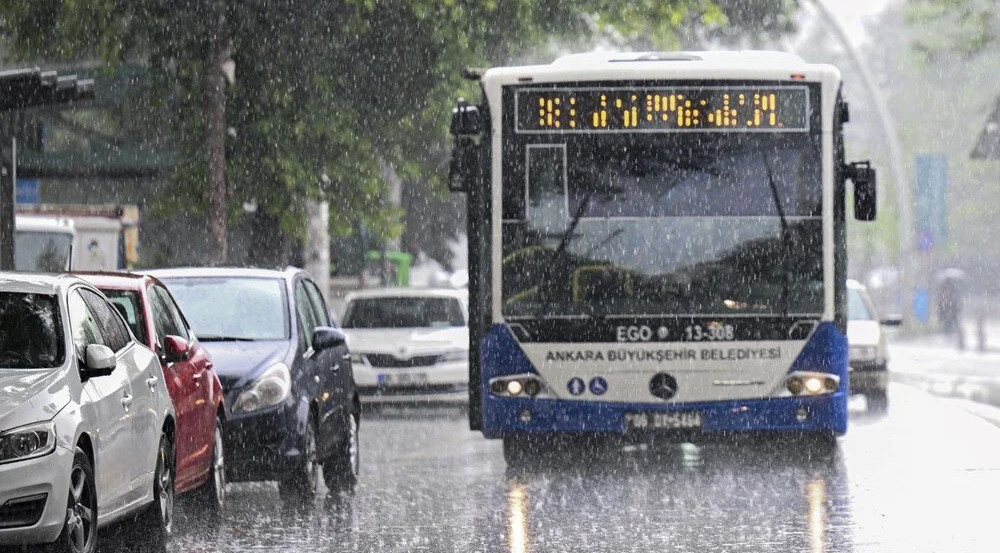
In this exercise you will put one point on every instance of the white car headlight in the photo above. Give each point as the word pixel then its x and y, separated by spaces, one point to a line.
pixel 356 357
pixel 270 389
pixel 452 356
pixel 864 353
pixel 27 442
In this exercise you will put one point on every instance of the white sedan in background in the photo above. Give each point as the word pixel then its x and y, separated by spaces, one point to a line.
pixel 869 353
pixel 86 425
pixel 409 345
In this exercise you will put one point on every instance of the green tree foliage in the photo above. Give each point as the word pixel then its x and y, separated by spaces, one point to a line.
pixel 959 26
pixel 328 91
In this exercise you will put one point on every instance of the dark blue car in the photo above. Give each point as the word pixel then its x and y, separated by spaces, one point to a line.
pixel 292 406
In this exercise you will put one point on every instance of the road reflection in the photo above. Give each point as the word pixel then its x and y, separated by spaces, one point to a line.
pixel 816 494
pixel 430 484
pixel 767 496
pixel 517 513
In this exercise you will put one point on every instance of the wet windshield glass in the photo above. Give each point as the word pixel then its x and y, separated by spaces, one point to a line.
pixel 30 335
pixel 43 252
pixel 401 312
pixel 221 309
pixel 666 225
pixel 857 309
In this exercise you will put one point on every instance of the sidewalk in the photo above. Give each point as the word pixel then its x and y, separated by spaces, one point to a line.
pixel 936 365
pixel 970 332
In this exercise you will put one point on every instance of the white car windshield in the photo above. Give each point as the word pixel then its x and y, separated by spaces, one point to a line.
pixel 403 312
pixel 30 336
pixel 857 309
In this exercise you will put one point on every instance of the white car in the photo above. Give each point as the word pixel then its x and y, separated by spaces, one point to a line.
pixel 86 425
pixel 409 345
pixel 869 354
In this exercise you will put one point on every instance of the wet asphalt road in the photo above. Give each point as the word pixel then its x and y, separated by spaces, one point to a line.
pixel 924 477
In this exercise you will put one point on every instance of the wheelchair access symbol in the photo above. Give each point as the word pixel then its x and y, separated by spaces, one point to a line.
pixel 576 386
pixel 598 385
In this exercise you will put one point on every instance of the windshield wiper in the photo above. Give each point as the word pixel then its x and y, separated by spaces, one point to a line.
pixel 563 243
pixel 785 237
pixel 217 338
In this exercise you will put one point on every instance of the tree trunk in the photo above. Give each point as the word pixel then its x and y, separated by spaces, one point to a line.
pixel 219 48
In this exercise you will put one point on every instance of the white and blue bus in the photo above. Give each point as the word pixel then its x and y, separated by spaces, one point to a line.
pixel 657 244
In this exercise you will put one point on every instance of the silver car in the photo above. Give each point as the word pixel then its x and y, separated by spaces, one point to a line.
pixel 86 425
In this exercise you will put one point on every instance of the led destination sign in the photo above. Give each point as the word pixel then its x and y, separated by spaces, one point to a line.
pixel 663 109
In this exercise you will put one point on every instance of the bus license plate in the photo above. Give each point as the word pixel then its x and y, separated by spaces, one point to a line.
pixel 678 420
pixel 402 379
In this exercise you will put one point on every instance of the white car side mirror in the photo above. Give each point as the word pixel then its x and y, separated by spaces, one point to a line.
pixel 100 361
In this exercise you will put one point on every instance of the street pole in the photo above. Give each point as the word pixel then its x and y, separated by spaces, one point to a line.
pixel 394 197
pixel 317 247
pixel 8 178
pixel 904 198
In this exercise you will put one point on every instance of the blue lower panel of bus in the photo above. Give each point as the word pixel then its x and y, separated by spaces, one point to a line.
pixel 826 351
pixel 502 416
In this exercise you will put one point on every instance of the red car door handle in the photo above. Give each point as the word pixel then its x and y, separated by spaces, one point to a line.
pixel 197 375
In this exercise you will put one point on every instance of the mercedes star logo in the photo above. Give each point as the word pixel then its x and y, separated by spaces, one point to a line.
pixel 663 386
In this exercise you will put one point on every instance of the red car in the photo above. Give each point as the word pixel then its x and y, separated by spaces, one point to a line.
pixel 194 388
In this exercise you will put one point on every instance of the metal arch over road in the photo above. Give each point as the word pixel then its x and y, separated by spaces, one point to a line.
pixel 904 196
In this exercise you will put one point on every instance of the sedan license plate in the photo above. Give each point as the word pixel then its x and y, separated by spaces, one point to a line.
pixel 402 379
pixel 678 420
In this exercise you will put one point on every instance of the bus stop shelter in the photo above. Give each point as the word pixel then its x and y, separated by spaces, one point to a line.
pixel 22 89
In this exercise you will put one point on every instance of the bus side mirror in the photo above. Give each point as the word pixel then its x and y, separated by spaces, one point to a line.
pixel 862 174
pixel 466 127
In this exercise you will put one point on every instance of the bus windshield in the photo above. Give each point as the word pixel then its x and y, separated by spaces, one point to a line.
pixel 646 224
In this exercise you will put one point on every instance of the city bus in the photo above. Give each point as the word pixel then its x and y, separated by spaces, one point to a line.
pixel 657 245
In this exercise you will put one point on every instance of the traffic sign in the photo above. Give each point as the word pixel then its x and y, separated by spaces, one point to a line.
pixel 931 201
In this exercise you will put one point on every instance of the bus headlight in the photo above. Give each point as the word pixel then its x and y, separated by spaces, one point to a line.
pixel 803 383
pixel 530 385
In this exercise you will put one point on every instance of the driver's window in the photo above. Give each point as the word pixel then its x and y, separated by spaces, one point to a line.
pixel 84 326
pixel 319 306
pixel 547 208
pixel 307 319
pixel 166 315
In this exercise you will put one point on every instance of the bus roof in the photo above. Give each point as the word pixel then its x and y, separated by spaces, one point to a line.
pixel 769 57
pixel 720 64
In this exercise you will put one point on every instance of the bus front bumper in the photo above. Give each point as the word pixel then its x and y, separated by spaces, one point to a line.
pixel 504 416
